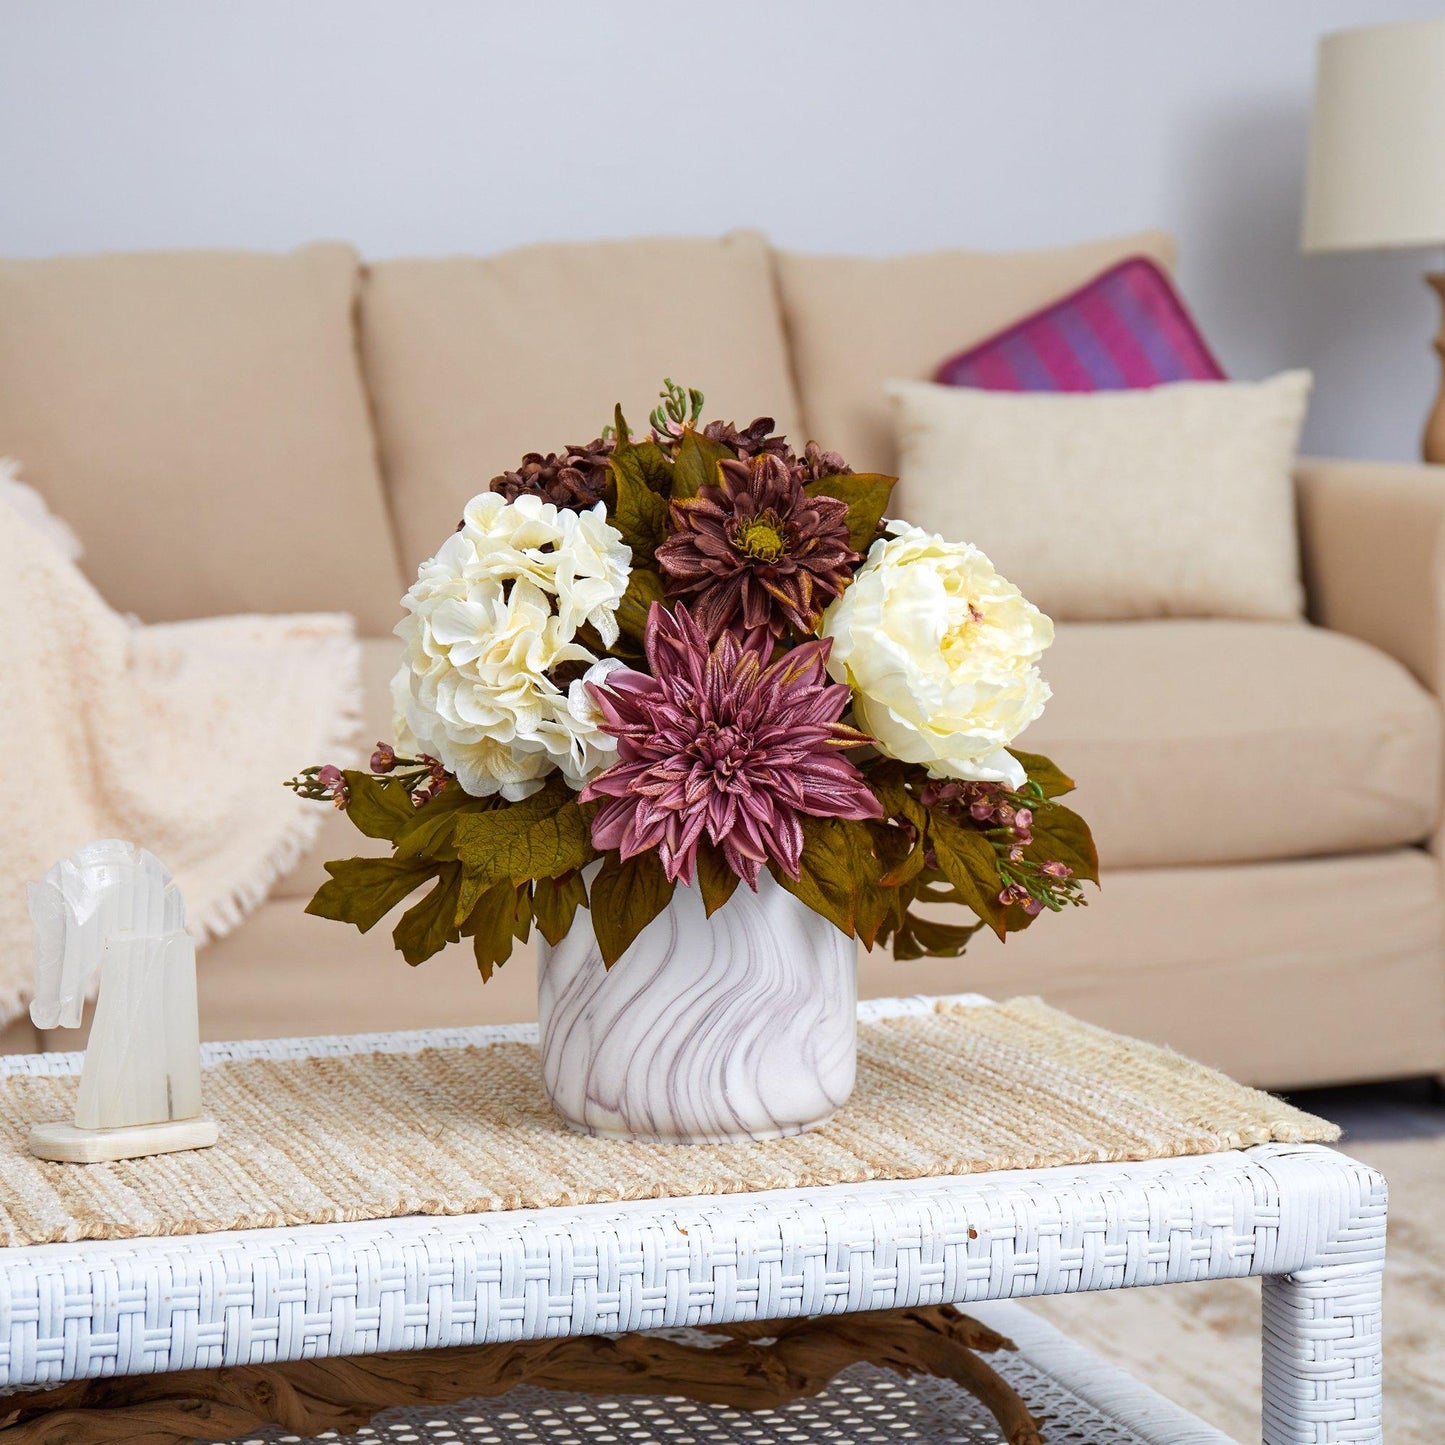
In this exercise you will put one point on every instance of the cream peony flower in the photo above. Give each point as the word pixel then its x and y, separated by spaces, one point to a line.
pixel 488 620
pixel 941 654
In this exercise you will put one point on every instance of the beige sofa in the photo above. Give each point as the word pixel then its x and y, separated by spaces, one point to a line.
pixel 231 432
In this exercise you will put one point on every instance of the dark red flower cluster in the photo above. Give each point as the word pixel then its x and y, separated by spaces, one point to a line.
pixel 986 804
pixel 577 477
pixel 993 809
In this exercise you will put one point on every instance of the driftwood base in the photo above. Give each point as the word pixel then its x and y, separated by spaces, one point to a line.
pixel 755 1366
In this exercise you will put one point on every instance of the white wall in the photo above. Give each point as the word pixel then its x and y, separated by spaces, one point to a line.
pixel 832 124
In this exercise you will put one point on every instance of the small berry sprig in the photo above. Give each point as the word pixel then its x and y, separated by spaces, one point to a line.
pixel 421 778
pixel 1006 818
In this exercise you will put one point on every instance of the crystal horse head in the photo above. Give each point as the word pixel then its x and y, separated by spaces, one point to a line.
pixel 105 890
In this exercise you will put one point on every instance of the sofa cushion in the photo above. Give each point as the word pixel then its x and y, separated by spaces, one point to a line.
pixel 472 362
pixel 1231 742
pixel 854 322
pixel 198 418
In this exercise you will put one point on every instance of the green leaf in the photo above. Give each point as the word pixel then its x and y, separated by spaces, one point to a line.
pixel 644 587
pixel 715 879
pixel 491 925
pixel 900 858
pixel 430 834
pixel 625 898
pixel 836 864
pixel 640 514
pixel 696 466
pixel 1052 779
pixel 522 913
pixel 866 494
pixel 926 938
pixel 362 891
pixel 645 463
pixel 469 893
pixel 555 902
pixel 427 927
pixel 1062 835
pixel 378 809
pixel 542 836
pixel 890 784
pixel 967 859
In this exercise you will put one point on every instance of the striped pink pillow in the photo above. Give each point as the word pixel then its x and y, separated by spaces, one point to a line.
pixel 1124 330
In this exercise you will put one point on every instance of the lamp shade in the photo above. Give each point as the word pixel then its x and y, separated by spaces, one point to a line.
pixel 1377 140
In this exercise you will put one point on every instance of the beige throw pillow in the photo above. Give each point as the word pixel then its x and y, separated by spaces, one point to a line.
pixel 1171 502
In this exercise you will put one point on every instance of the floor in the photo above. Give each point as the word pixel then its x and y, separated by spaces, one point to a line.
pixel 1199 1345
pixel 1411 1109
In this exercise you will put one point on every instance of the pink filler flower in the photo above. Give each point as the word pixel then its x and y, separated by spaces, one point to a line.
pixel 716 742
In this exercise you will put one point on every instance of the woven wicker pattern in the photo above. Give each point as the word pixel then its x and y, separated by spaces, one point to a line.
pixel 1307 1218
pixel 1083 1400
pixel 462 1130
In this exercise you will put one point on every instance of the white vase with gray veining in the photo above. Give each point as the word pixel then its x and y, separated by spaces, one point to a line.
pixel 707 1030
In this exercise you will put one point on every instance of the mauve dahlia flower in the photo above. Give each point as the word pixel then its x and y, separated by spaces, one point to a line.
pixel 716 744
pixel 757 551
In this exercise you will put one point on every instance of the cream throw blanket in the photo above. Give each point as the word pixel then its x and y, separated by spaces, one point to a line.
pixel 177 737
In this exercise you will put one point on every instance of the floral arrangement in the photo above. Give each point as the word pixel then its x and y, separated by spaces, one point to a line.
pixel 689 657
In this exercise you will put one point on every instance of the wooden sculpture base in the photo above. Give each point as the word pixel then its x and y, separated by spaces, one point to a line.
pixel 761 1365
pixel 70 1145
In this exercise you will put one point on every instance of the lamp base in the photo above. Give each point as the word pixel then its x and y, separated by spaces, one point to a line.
pixel 1433 447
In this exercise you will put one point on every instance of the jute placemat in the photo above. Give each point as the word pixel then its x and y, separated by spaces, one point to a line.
pixel 464 1130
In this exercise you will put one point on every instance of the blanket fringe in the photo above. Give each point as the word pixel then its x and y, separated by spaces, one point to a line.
pixel 297 832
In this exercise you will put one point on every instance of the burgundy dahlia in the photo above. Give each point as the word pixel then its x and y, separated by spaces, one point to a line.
pixel 756 551
pixel 717 745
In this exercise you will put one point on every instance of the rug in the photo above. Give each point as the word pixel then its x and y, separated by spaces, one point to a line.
pixel 463 1130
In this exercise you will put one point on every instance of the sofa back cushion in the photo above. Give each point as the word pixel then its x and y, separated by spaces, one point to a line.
pixel 855 322
pixel 198 418
pixel 474 361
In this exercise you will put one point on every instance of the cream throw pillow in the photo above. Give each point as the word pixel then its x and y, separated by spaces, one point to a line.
pixel 1176 501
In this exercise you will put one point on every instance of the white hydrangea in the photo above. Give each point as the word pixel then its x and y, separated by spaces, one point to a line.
pixel 488 620
pixel 941 653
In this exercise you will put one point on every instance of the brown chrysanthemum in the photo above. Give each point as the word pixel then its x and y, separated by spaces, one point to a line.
pixel 818 464
pixel 756 551
pixel 577 477
pixel 751 441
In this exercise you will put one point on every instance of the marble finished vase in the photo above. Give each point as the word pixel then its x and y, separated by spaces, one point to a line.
pixel 707 1030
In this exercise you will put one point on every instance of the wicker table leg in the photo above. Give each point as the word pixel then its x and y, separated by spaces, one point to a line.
pixel 1323 1345
pixel 1323 1356
pixel 756 1366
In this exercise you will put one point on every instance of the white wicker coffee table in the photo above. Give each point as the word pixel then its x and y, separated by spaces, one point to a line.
pixel 1307 1219
pixel 1081 1400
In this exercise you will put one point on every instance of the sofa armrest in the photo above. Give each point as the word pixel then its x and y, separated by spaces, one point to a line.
pixel 1371 539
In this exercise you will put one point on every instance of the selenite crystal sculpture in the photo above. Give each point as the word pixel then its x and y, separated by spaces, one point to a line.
pixel 113 906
